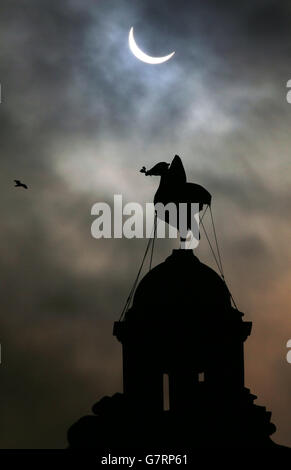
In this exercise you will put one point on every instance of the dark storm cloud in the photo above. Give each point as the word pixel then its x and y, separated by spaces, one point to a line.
pixel 78 117
pixel 250 193
pixel 269 20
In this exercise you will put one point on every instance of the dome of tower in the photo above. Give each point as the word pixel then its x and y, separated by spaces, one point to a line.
pixel 180 310
pixel 180 289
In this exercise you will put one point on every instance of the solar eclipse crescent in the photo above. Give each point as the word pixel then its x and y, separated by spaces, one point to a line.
pixel 139 54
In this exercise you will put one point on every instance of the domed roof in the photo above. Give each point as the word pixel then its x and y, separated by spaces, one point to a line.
pixel 180 288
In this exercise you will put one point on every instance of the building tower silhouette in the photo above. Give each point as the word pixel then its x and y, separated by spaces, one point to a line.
pixel 181 325
pixel 183 369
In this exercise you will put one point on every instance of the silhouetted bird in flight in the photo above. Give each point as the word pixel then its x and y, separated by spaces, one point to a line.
pixel 174 188
pixel 18 184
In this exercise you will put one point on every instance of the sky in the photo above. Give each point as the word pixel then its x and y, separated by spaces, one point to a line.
pixel 80 115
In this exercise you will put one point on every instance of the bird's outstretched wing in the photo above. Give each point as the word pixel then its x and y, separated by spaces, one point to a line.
pixel 176 174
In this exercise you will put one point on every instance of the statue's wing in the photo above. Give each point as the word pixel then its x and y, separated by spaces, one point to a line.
pixel 176 173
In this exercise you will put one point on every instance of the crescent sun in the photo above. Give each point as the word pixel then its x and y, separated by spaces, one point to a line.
pixel 139 54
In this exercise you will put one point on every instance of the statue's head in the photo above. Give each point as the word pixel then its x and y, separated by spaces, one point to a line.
pixel 158 170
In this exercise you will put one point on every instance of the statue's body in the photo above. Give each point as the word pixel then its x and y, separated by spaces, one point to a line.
pixel 173 188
